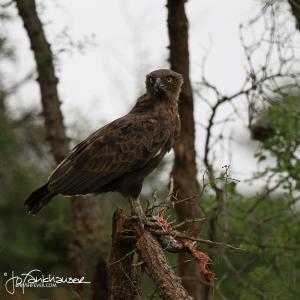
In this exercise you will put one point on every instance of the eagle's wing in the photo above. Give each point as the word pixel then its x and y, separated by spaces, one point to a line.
pixel 125 145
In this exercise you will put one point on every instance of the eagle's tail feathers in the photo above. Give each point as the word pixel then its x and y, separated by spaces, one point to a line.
pixel 39 199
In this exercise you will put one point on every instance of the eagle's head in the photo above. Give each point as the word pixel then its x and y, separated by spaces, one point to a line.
pixel 164 83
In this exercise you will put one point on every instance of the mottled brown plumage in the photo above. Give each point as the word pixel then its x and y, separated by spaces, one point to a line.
pixel 118 156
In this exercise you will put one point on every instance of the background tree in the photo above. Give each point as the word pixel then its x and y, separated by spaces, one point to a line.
pixel 184 170
pixel 295 8
pixel 85 212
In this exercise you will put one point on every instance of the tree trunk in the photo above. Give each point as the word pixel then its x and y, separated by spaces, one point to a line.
pixel 121 279
pixel 168 285
pixel 185 169
pixel 295 8
pixel 85 221
pixel 151 253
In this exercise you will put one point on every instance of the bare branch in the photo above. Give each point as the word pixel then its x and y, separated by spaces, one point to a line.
pixel 181 236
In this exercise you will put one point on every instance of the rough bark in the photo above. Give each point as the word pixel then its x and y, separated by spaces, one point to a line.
pixel 152 255
pixel 85 221
pixel 121 281
pixel 47 80
pixel 185 169
pixel 130 234
pixel 168 285
pixel 295 8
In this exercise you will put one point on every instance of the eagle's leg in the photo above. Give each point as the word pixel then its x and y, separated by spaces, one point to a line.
pixel 137 209
pixel 138 212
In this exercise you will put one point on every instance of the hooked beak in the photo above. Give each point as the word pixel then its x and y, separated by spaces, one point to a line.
pixel 158 85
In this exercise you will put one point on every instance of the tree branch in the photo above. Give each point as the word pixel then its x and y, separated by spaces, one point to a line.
pixel 184 169
pixel 151 253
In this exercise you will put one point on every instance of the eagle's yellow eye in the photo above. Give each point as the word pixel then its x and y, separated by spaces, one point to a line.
pixel 169 79
pixel 151 80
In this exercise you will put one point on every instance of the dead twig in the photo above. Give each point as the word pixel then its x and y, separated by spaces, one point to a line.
pixel 183 223
pixel 181 236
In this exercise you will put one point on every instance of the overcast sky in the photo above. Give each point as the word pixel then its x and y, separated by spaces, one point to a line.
pixel 124 41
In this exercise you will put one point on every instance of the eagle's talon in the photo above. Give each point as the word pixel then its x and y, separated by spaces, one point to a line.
pixel 152 225
pixel 133 218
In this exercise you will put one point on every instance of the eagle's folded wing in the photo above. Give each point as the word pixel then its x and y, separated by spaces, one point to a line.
pixel 122 146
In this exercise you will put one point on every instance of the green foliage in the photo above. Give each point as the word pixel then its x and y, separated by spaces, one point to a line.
pixel 284 145
pixel 270 232
pixel 27 242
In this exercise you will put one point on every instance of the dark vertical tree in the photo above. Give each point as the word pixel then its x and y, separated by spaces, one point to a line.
pixel 85 220
pixel 295 8
pixel 121 281
pixel 185 169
